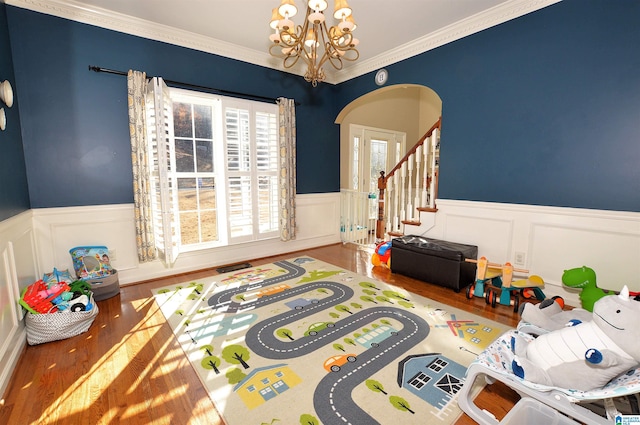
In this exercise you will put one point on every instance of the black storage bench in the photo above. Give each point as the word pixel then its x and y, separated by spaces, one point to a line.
pixel 434 261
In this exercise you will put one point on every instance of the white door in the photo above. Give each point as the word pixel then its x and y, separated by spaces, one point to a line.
pixel 373 150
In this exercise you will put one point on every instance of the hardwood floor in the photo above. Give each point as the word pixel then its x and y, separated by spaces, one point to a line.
pixel 129 369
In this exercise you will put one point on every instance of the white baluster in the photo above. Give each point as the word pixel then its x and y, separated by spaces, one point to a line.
pixel 387 204
pixel 416 202
pixel 432 186
pixel 425 172
pixel 410 162
pixel 403 189
pixel 396 201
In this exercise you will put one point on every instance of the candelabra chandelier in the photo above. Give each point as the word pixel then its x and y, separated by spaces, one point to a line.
pixel 313 41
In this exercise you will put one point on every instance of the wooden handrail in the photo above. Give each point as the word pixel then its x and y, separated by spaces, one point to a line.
pixel 382 180
pixel 414 148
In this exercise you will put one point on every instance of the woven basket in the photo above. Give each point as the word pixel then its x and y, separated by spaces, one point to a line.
pixel 49 327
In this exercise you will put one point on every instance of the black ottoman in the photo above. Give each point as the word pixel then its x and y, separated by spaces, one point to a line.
pixel 434 261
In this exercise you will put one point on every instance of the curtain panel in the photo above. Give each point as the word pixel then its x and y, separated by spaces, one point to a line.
pixel 287 172
pixel 136 86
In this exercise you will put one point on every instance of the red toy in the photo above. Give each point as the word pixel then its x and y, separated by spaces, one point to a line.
pixel 382 255
pixel 37 297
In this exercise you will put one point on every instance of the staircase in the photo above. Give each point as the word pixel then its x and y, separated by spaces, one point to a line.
pixel 406 197
pixel 410 189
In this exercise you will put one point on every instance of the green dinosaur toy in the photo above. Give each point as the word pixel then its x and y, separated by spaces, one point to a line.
pixel 584 278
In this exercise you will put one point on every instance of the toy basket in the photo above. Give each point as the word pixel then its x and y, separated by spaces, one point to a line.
pixel 37 297
pixel 43 328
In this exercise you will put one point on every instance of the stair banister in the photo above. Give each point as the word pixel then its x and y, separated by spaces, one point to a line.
pixel 420 155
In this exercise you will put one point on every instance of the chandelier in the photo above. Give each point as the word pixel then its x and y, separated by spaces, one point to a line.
pixel 313 41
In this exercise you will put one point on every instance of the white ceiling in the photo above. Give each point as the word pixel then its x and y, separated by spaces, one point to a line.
pixel 388 30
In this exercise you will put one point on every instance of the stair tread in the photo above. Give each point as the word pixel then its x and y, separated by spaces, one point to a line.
pixel 427 209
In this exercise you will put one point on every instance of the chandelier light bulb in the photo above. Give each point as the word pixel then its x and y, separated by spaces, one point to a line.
pixel 341 9
pixel 275 18
pixel 318 5
pixel 316 18
pixel 286 24
pixel 287 8
pixel 345 26
pixel 350 19
pixel 311 39
pixel 275 38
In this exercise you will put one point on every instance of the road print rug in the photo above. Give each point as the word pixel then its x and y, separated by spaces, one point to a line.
pixel 302 341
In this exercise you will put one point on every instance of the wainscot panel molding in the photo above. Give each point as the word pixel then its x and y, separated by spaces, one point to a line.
pixel 60 229
pixel 551 239
pixel 18 269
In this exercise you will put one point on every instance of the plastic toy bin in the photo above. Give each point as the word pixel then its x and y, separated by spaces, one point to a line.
pixel 434 261
pixel 531 412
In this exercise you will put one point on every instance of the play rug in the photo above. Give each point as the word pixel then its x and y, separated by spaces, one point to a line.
pixel 305 342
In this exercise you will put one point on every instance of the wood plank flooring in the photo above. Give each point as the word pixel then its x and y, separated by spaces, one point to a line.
pixel 129 369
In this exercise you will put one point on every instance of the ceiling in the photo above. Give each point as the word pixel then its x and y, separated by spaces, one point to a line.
pixel 388 30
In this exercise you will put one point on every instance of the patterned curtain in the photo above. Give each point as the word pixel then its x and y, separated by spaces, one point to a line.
pixel 136 85
pixel 287 142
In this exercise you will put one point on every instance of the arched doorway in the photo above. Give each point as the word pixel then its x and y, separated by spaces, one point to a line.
pixel 406 108
pixel 376 130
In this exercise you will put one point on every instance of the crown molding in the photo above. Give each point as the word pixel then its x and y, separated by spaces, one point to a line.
pixel 103 18
pixel 107 19
pixel 497 15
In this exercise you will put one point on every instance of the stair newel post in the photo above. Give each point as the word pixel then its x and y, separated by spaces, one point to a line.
pixel 382 185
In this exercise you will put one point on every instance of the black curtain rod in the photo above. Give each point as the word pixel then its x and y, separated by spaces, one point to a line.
pixel 194 86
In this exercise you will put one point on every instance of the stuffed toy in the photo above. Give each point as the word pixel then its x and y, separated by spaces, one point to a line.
pixel 550 316
pixel 584 278
pixel 585 356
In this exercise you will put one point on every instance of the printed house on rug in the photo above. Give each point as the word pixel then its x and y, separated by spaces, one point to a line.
pixel 432 377
pixel 265 383
pixel 478 334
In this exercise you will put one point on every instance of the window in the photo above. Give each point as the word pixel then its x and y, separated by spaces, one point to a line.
pixel 419 381
pixel 213 169
pixel 438 364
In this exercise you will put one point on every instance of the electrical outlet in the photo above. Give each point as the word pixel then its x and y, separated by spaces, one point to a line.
pixel 520 258
pixel 112 255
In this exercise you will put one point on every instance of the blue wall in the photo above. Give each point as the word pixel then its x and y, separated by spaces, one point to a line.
pixel 76 135
pixel 541 110
pixel 14 192
pixel 544 109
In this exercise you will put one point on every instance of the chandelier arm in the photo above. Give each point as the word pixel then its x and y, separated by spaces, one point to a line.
pixel 290 60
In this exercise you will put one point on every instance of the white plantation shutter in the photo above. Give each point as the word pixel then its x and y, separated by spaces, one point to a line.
pixel 238 172
pixel 161 165
pixel 252 158
pixel 267 168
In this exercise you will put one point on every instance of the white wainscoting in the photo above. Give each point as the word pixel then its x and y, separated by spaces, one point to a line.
pixel 60 229
pixel 18 269
pixel 552 240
